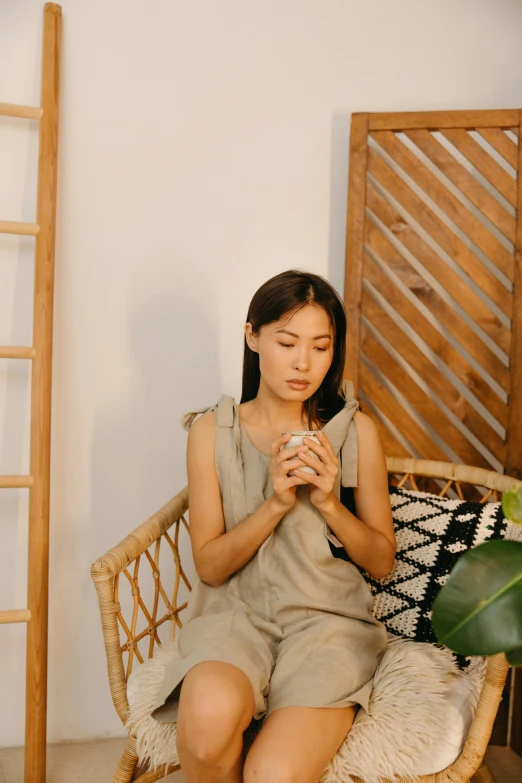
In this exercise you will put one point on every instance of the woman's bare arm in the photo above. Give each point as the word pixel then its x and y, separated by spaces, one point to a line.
pixel 218 554
pixel 369 537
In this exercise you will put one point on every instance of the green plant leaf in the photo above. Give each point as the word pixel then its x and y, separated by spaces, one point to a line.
pixel 479 609
pixel 512 504
pixel 515 657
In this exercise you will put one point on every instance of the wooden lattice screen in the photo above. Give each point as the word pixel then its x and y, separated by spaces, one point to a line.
pixel 433 285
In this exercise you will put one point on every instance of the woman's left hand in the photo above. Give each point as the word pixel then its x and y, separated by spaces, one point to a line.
pixel 321 486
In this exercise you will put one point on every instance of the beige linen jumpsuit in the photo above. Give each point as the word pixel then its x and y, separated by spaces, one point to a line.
pixel 295 619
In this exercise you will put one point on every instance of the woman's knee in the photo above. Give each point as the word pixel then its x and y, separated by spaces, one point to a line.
pixel 216 704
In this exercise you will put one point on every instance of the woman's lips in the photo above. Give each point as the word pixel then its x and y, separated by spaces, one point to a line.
pixel 296 385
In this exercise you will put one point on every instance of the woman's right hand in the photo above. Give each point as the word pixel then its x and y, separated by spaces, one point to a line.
pixel 281 461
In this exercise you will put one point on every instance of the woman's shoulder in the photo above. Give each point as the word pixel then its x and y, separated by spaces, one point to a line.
pixel 362 419
pixel 204 422
pixel 201 436
pixel 369 444
pixel 365 425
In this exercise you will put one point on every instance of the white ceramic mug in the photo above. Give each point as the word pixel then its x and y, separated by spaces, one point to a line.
pixel 297 440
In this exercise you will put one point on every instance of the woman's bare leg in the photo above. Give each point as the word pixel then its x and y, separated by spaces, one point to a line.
pixel 295 744
pixel 216 706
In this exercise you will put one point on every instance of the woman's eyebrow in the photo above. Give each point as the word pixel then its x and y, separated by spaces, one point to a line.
pixel 292 334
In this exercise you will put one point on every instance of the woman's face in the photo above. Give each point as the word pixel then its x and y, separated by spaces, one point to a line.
pixel 301 347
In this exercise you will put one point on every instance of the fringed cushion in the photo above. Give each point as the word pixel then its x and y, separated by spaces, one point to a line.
pixel 421 709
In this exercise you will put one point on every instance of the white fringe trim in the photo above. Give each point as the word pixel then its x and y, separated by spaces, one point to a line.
pixel 155 740
pixel 407 719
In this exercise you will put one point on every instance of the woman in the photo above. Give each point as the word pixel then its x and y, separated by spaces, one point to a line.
pixel 279 622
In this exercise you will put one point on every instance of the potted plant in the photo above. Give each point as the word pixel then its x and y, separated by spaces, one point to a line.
pixel 479 609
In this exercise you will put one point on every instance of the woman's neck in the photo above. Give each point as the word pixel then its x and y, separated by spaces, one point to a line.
pixel 271 414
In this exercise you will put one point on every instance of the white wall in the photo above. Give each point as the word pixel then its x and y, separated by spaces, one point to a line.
pixel 203 148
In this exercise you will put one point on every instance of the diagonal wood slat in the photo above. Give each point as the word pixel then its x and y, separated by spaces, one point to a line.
pixel 438 384
pixel 390 443
pixel 474 306
pixel 446 201
pixel 441 347
pixel 501 142
pixel 440 233
pixel 466 182
pixel 418 398
pixel 446 353
pixel 414 433
pixel 488 166
pixel 424 292
pixel 433 283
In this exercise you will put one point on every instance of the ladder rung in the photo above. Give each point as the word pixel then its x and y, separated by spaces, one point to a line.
pixel 15 482
pixel 23 229
pixel 26 112
pixel 15 616
pixel 16 352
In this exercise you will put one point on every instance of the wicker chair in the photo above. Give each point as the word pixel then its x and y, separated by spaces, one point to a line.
pixel 143 545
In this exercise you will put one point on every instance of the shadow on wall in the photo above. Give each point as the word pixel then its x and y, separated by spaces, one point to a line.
pixel 339 159
pixel 137 465
pixel 138 454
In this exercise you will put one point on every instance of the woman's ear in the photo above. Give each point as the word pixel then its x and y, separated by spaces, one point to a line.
pixel 250 337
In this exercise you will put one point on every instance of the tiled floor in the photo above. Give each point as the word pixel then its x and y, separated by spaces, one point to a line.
pixel 96 761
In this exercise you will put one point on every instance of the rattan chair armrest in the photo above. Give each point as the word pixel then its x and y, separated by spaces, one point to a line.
pixel 467 474
pixel 103 573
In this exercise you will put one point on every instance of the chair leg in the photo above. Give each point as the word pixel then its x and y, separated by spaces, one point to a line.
pixel 483 775
pixel 130 772
pixel 127 765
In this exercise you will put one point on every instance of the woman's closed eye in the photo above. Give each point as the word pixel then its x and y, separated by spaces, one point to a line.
pixel 291 345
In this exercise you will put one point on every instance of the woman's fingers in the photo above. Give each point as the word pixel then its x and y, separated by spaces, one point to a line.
pixel 286 454
pixel 313 462
pixel 276 444
pixel 323 450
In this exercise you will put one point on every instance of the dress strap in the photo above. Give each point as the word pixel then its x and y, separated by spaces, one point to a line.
pixel 225 411
pixel 349 449
pixel 188 418
pixel 228 457
pixel 224 417
pixel 229 462
pixel 349 456
pixel 347 387
pixel 342 433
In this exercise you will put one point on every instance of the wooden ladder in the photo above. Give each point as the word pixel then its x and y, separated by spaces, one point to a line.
pixel 40 353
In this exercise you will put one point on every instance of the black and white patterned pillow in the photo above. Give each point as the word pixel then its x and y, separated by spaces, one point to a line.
pixel 432 533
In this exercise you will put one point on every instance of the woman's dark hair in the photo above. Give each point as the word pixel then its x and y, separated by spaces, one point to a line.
pixel 284 295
